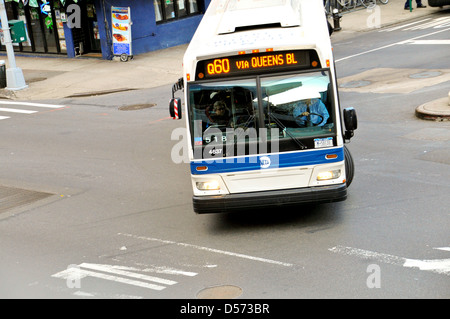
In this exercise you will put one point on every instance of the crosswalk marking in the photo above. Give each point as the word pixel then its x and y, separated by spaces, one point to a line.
pixel 116 271
pixel 403 26
pixel 125 275
pixel 85 273
pixel 12 107
pixel 52 106
pixel 427 23
pixel 435 23
pixel 4 109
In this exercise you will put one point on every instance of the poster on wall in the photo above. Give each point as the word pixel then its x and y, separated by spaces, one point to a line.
pixel 121 32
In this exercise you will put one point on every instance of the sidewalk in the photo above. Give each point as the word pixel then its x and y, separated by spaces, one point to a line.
pixel 59 77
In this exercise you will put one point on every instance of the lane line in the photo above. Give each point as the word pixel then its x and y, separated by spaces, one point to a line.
pixel 4 117
pixel 366 254
pixel 32 104
pixel 440 266
pixel 212 250
pixel 428 42
pixel 5 109
pixel 390 45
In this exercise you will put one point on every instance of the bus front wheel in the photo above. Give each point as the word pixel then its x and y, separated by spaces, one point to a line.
pixel 349 166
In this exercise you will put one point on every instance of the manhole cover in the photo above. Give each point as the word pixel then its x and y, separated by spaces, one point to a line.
pixel 136 107
pixel 220 292
pixel 355 84
pixel 15 197
pixel 425 75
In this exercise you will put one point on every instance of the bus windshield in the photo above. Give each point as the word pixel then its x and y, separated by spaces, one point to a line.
pixel 285 112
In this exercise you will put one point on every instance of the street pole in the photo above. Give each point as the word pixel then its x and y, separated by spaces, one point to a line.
pixel 14 75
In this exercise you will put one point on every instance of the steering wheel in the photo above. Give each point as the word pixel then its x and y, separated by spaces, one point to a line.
pixel 308 119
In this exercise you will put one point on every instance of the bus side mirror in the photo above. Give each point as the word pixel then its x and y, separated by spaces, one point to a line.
pixel 175 108
pixel 350 121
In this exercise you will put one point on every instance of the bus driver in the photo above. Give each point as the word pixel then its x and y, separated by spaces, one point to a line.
pixel 311 112
pixel 220 113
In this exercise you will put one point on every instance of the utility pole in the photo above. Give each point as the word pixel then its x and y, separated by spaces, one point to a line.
pixel 14 75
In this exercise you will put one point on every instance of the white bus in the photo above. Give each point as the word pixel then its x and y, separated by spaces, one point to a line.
pixel 262 109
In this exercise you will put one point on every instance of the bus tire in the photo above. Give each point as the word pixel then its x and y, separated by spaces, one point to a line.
pixel 349 166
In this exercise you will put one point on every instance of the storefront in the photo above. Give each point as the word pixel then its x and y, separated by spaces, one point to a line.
pixel 86 27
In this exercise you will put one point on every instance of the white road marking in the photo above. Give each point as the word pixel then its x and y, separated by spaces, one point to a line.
pixel 428 42
pixel 403 26
pixel 5 109
pixel 114 270
pixel 443 248
pixel 52 106
pixel 390 45
pixel 217 251
pixel 4 117
pixel 421 25
pixel 440 266
pixel 81 273
pixel 121 274
pixel 435 23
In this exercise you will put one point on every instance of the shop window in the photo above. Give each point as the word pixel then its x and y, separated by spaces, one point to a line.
pixel 173 9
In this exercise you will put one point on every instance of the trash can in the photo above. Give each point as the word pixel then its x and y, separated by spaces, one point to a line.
pixel 2 74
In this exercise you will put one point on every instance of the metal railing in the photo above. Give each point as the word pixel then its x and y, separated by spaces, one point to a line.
pixel 336 8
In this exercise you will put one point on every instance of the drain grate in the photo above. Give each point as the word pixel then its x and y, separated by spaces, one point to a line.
pixel 136 107
pixel 15 197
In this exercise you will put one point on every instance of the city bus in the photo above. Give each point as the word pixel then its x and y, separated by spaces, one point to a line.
pixel 261 107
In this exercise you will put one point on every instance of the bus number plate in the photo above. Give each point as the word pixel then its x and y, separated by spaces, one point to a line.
pixel 323 142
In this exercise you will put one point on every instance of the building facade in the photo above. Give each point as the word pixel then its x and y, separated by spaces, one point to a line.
pixel 75 28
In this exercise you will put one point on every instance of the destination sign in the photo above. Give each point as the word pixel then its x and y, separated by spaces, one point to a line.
pixel 257 63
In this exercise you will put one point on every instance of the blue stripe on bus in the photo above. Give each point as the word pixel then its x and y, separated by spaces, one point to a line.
pixel 257 162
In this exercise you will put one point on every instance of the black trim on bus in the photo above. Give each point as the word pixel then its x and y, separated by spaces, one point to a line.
pixel 267 199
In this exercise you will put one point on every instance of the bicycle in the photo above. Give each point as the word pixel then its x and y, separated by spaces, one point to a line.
pixel 372 3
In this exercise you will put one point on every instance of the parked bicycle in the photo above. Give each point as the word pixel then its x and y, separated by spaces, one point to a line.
pixel 347 5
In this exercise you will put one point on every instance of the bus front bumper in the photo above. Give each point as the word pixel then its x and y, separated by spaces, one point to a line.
pixel 265 199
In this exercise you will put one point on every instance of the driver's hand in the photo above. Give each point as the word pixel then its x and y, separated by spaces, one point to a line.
pixel 305 113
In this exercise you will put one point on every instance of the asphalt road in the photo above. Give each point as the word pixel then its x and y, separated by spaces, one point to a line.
pixel 98 208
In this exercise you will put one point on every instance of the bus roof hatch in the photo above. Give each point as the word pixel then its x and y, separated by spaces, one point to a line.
pixel 259 13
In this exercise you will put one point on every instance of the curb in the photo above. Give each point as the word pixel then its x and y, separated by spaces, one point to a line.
pixel 437 110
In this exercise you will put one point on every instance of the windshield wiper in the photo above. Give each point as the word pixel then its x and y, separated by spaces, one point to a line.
pixel 278 122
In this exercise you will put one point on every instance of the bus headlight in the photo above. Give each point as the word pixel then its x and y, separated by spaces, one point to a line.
pixel 323 176
pixel 208 186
